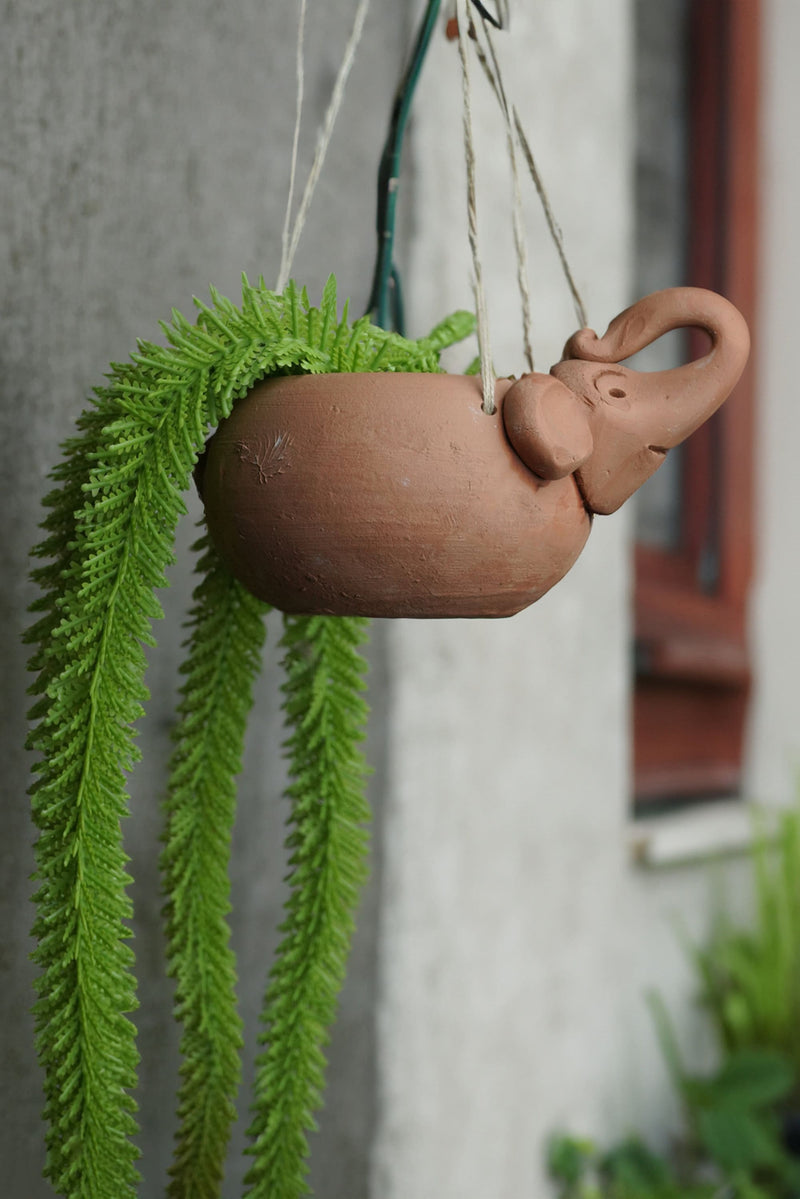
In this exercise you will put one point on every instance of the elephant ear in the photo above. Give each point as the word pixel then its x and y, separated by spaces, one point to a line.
pixel 548 426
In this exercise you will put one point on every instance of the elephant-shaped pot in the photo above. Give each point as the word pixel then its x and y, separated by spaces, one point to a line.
pixel 397 495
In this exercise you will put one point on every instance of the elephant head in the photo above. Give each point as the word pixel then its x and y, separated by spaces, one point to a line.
pixel 611 426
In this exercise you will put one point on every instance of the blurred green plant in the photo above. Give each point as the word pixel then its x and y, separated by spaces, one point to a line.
pixel 736 1118
pixel 750 977
pixel 629 1171
pixel 733 1116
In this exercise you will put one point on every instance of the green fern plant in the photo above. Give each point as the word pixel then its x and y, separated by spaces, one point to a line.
pixel 109 529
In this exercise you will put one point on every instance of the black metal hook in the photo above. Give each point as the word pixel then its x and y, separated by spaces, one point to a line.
pixel 501 20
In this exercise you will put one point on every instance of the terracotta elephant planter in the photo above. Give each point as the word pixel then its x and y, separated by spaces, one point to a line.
pixel 397 495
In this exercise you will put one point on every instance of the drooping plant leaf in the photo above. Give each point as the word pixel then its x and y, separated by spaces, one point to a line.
pixel 327 846
pixel 227 632
pixel 109 537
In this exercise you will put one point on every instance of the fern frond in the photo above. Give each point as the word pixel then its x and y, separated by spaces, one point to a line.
pixel 327 844
pixel 452 329
pixel 109 538
pixel 224 652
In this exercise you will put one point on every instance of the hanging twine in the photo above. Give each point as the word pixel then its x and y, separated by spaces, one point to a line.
pixel 325 135
pixel 515 137
pixel 555 231
pixel 487 370
pixel 494 76
pixel 283 273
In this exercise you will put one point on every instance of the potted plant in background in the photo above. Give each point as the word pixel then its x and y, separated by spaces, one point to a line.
pixel 741 1122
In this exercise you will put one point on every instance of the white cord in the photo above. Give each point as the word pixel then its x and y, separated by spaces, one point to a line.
pixel 494 75
pixel 324 139
pixel 552 223
pixel 484 349
pixel 283 273
pixel 515 137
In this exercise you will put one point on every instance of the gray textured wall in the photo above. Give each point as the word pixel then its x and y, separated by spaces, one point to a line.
pixel 144 154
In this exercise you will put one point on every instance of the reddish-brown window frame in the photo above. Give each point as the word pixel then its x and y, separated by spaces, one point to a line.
pixel 692 661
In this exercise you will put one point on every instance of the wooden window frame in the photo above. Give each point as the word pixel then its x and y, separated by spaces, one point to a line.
pixel 692 662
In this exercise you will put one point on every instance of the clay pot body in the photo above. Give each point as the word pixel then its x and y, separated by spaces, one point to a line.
pixel 385 495
pixel 396 495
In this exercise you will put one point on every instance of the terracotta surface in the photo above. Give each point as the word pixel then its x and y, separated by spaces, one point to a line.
pixel 415 504
pixel 636 416
pixel 396 495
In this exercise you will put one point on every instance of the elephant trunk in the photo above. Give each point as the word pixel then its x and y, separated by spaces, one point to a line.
pixel 694 390
pixel 636 416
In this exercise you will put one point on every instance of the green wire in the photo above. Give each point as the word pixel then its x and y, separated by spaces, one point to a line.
pixel 388 179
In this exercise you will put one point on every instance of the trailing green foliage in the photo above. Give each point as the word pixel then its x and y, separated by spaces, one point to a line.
pixel 327 847
pixel 224 657
pixel 109 537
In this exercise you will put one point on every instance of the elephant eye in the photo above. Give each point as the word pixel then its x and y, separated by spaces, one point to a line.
pixel 608 384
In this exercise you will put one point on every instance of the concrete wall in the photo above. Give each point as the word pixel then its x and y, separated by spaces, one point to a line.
pixel 144 153
pixel 508 937
pixel 775 728
pixel 516 936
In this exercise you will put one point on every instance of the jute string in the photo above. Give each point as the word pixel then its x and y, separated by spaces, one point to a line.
pixel 552 224
pixel 283 273
pixel 494 76
pixel 515 136
pixel 326 132
pixel 484 349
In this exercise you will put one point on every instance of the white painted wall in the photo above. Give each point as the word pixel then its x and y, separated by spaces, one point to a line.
pixel 518 936
pixel 775 728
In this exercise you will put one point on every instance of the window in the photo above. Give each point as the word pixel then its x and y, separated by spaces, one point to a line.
pixel 696 199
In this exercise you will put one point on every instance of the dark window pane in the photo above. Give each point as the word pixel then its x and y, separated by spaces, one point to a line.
pixel 661 235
